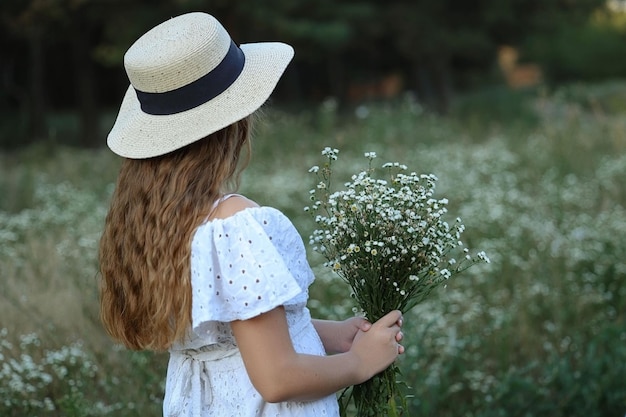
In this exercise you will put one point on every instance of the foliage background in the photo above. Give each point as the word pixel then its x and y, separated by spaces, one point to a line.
pixel 537 175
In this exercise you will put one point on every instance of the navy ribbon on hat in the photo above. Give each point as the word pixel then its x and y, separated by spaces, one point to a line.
pixel 197 92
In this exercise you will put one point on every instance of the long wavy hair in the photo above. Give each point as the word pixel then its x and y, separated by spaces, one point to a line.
pixel 145 278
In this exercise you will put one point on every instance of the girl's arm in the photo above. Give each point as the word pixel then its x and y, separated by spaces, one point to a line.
pixel 279 373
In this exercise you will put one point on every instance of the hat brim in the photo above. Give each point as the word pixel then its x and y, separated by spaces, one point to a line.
pixel 139 135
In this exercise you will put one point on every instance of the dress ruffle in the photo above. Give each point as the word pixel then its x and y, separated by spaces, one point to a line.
pixel 237 272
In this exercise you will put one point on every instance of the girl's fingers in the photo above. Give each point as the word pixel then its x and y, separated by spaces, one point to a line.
pixel 364 325
pixel 391 319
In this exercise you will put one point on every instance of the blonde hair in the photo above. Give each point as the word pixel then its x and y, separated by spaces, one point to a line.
pixel 145 285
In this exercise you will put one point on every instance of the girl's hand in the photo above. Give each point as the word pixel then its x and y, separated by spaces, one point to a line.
pixel 350 327
pixel 338 336
pixel 379 346
pixel 347 330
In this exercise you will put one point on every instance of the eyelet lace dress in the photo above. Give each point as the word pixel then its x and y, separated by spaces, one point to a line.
pixel 241 266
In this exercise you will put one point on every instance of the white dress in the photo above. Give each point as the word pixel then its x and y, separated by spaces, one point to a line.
pixel 241 266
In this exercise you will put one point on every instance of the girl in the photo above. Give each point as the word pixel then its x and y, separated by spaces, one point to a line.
pixel 214 278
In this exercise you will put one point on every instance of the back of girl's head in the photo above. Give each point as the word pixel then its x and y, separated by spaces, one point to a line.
pixel 158 203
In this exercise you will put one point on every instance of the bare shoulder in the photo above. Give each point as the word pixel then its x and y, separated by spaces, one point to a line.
pixel 232 205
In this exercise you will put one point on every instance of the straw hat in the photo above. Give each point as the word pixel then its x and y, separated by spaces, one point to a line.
pixel 189 79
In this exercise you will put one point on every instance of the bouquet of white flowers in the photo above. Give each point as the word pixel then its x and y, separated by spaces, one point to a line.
pixel 388 240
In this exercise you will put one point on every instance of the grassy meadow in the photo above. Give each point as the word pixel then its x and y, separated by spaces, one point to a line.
pixel 538 179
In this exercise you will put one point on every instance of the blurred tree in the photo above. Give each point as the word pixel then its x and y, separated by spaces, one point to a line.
pixel 591 51
pixel 321 31
pixel 51 47
pixel 66 41
pixel 56 32
pixel 28 24
pixel 443 39
pixel 431 36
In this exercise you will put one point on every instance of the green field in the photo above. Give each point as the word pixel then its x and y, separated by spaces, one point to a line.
pixel 538 179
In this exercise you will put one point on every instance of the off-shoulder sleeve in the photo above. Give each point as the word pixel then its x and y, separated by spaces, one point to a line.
pixel 236 272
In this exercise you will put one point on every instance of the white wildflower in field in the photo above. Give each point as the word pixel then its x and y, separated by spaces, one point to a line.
pixel 408 248
pixel 43 382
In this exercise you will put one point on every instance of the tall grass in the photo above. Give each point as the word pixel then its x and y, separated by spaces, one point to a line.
pixel 537 178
